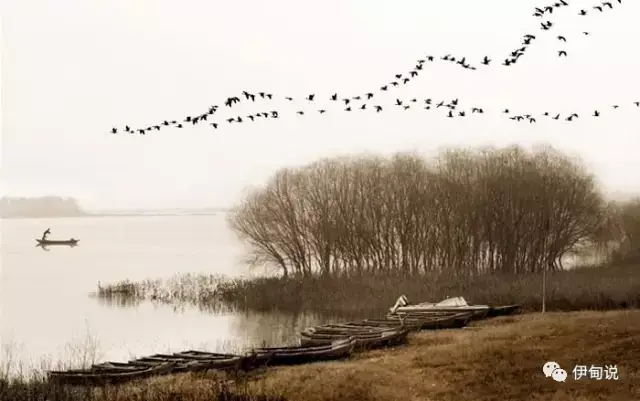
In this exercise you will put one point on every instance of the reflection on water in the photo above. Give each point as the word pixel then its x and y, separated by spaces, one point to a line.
pixel 48 247
pixel 246 329
pixel 47 313
pixel 117 302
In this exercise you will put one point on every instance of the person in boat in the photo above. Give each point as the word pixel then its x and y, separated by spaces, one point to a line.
pixel 47 232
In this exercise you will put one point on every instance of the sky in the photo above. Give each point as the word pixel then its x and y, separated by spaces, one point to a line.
pixel 73 69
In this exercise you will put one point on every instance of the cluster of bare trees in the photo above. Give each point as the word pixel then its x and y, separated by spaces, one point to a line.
pixel 464 212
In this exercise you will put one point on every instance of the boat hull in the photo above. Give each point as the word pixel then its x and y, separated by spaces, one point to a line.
pixel 69 242
pixel 427 322
pixel 194 361
pixel 100 377
pixel 301 354
pixel 478 312
pixel 362 341
pixel 504 310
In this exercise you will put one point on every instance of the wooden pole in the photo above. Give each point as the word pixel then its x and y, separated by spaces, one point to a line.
pixel 544 289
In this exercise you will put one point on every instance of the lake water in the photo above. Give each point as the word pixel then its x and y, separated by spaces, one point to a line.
pixel 46 312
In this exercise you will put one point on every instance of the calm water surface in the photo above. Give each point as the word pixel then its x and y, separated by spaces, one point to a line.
pixel 46 311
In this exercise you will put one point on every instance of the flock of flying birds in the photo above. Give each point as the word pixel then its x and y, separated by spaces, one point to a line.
pixel 366 101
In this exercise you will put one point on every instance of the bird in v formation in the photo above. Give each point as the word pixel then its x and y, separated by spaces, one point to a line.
pixel 363 102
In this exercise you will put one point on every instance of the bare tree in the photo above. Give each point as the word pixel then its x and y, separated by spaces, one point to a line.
pixel 466 212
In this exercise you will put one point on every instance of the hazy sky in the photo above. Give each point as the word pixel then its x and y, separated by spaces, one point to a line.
pixel 72 69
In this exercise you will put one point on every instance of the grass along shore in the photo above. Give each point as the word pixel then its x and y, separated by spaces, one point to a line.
pixel 496 359
pixel 594 288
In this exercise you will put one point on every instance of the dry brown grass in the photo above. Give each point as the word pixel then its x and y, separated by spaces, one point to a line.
pixel 502 360
pixel 499 359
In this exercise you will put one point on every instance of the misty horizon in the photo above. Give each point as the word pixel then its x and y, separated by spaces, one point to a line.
pixel 68 78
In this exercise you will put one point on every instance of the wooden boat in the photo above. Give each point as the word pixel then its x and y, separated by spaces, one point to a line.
pixel 477 311
pixel 193 360
pixel 116 367
pixel 423 322
pixel 428 322
pixel 356 327
pixel 342 329
pixel 105 375
pixel 47 242
pixel 503 310
pixel 294 355
pixel 456 304
pixel 362 341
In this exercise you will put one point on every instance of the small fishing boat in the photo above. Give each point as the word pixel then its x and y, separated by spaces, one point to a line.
pixel 193 360
pixel 115 367
pixel 420 321
pixel 456 304
pixel 428 322
pixel 360 326
pixel 382 323
pixel 106 375
pixel 342 329
pixel 390 337
pixel 48 242
pixel 294 355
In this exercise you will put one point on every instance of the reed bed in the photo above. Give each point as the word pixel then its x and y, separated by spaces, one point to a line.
pixel 589 288
pixel 203 291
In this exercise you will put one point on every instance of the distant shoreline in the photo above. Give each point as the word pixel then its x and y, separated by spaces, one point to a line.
pixel 116 214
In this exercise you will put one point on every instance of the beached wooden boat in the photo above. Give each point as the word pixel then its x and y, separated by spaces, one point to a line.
pixel 345 329
pixel 358 326
pixel 105 375
pixel 428 322
pixel 47 242
pixel 418 322
pixel 503 310
pixel 294 355
pixel 117 366
pixel 193 360
pixel 477 311
pixel 309 337
pixel 381 323
pixel 456 304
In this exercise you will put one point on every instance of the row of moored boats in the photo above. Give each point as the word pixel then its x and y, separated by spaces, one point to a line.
pixel 319 343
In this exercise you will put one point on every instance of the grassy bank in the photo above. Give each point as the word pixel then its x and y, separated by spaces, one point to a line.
pixel 601 288
pixel 499 359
